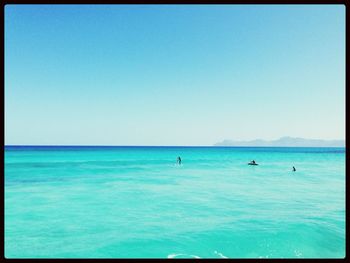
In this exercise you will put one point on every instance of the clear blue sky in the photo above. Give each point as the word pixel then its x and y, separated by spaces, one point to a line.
pixel 173 75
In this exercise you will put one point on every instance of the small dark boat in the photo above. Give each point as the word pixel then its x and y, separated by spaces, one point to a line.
pixel 252 163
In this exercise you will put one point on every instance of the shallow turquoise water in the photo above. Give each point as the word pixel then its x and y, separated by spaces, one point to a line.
pixel 135 202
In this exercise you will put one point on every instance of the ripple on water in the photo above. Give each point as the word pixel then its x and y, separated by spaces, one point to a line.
pixel 180 255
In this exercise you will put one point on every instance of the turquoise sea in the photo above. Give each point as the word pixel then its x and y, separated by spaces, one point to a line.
pixel 136 202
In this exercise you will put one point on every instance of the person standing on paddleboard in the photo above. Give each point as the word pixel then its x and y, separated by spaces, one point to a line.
pixel 178 160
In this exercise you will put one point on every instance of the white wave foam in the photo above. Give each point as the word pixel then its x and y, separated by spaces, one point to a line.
pixel 220 254
pixel 175 255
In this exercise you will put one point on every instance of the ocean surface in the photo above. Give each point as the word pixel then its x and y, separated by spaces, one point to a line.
pixel 136 202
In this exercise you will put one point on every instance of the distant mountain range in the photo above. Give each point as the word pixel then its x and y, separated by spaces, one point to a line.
pixel 285 142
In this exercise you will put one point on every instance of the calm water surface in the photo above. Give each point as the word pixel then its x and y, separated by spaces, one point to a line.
pixel 135 202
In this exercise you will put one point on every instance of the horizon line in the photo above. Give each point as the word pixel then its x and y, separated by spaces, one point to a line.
pixel 212 146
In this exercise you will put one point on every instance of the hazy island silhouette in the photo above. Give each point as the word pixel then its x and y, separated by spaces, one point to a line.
pixel 285 142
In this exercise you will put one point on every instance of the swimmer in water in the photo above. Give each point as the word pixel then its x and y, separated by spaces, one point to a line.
pixel 178 160
pixel 294 169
